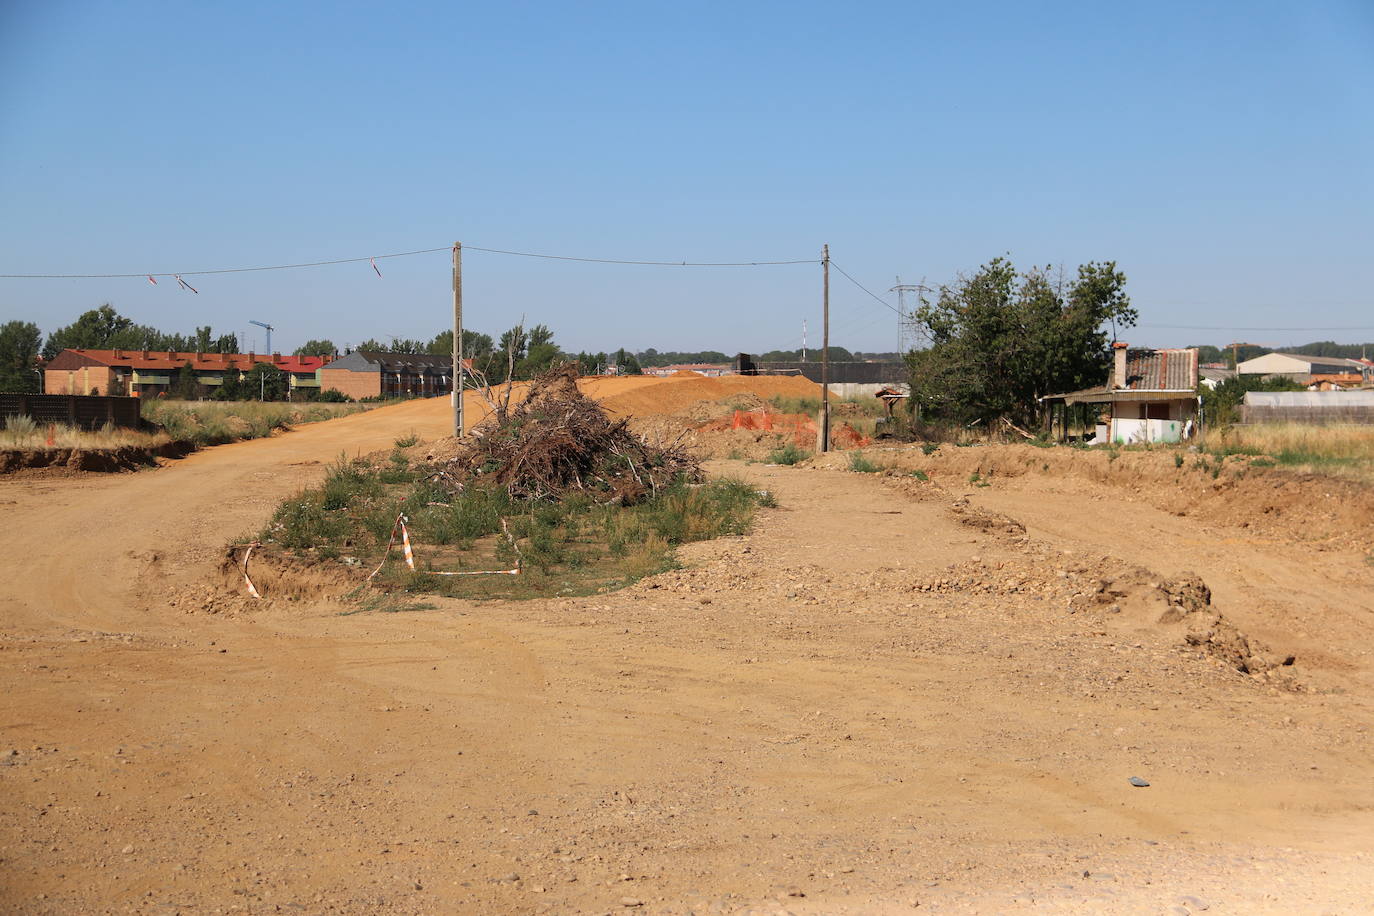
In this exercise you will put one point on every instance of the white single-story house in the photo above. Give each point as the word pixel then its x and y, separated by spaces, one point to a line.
pixel 1151 396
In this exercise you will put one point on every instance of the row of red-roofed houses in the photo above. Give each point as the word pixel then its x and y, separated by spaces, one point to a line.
pixel 151 373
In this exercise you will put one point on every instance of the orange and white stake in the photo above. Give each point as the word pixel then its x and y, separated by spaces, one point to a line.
pixel 405 543
pixel 391 542
pixel 247 581
pixel 410 554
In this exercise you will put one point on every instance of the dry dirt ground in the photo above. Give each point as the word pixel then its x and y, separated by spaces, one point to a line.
pixel 893 696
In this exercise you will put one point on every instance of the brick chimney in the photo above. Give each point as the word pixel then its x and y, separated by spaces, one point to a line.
pixel 1118 365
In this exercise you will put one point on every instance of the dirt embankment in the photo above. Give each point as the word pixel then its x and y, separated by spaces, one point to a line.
pixel 1317 511
pixel 105 460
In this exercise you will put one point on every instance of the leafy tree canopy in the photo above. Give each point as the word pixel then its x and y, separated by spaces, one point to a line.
pixel 104 328
pixel 1001 339
pixel 19 348
pixel 1221 405
pixel 317 348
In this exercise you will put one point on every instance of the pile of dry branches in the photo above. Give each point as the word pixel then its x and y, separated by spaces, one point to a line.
pixel 559 442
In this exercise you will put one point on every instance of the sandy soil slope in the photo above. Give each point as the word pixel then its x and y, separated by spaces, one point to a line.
pixel 867 705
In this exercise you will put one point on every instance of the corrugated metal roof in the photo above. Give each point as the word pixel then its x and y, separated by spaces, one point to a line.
pixel 1161 370
pixel 1309 398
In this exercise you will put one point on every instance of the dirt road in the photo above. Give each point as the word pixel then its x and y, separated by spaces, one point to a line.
pixel 803 720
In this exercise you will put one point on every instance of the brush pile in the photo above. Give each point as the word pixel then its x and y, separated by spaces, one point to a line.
pixel 558 442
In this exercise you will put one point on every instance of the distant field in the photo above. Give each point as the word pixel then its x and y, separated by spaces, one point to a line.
pixel 1340 450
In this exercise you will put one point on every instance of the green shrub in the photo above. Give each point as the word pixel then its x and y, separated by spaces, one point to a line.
pixel 334 396
pixel 346 482
pixel 860 464
pixel 789 454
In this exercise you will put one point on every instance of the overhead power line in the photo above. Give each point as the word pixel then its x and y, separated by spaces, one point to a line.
pixel 876 297
pixel 400 254
pixel 1231 327
pixel 220 270
pixel 563 257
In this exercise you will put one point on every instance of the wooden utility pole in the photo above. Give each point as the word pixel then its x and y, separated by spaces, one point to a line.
pixel 458 340
pixel 825 350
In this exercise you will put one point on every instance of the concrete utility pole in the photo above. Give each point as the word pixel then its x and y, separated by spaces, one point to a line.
pixel 825 350
pixel 457 340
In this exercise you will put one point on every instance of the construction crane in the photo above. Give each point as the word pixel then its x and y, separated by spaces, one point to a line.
pixel 269 328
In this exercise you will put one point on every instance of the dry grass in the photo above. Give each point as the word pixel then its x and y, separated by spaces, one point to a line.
pixel 1340 450
pixel 24 433
pixel 201 422
pixel 215 422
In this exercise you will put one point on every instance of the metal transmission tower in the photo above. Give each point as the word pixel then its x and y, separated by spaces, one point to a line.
pixel 908 334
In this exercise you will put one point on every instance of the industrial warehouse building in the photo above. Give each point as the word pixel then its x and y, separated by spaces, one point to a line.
pixel 150 373
pixel 1308 370
pixel 373 373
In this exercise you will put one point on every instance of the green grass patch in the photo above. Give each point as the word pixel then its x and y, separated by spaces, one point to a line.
pixel 572 547
pixel 784 404
pixel 789 454
pixel 861 465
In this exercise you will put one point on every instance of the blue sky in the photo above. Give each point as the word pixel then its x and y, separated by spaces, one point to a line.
pixel 1221 153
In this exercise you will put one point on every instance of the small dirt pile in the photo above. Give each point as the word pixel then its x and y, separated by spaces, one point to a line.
pixel 558 442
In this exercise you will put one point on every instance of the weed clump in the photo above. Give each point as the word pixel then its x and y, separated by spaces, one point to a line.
pixel 861 465
pixel 789 455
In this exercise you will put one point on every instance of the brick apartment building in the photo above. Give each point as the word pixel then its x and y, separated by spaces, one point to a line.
pixel 149 373
pixel 373 373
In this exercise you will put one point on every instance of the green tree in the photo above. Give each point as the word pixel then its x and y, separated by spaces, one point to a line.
pixel 186 386
pixel 19 348
pixel 591 363
pixel 626 363
pixel 1221 405
pixel 317 348
pixel 540 335
pixel 538 358
pixel 97 329
pixel 226 343
pixel 1000 340
pixel 264 381
pixel 475 344
pixel 1206 353
pixel 231 388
